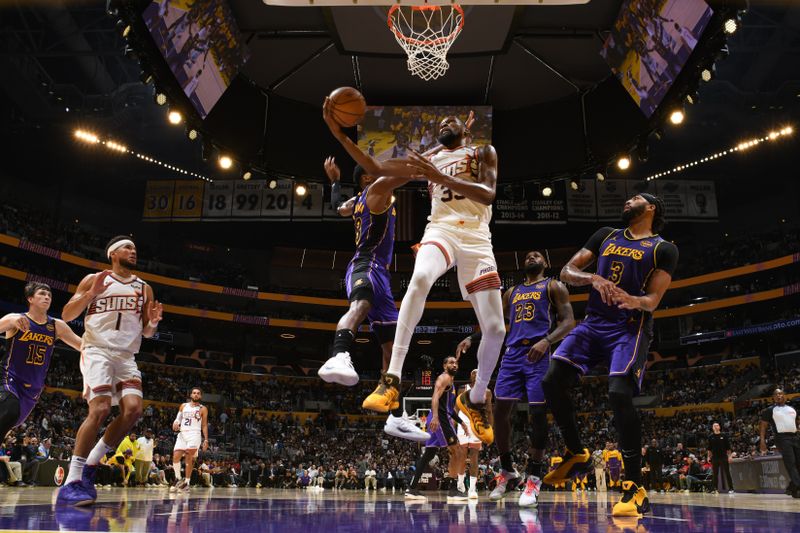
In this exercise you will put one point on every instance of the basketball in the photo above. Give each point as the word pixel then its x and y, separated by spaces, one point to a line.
pixel 347 106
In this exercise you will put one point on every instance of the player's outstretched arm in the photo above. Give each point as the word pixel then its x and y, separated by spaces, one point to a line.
pixel 345 209
pixel 373 167
pixel 379 195
pixel 88 288
pixel 65 334
pixel 14 322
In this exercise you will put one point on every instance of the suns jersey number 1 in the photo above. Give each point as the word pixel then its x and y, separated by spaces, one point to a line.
pixel 114 317
pixel 446 205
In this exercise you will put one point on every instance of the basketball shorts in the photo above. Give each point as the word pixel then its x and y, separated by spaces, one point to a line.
pixel 623 347
pixel 109 372
pixel 466 438
pixel 444 436
pixel 188 440
pixel 16 401
pixel 368 280
pixel 520 379
pixel 469 249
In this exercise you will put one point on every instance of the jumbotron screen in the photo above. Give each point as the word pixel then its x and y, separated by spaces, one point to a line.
pixel 390 131
pixel 650 44
pixel 201 43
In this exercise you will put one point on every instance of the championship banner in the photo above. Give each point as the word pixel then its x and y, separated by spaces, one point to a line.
pixel 611 198
pixel 673 193
pixel 514 205
pixel 158 200
pixel 581 203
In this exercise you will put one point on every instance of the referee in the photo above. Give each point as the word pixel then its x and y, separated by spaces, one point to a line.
pixel 719 452
pixel 783 419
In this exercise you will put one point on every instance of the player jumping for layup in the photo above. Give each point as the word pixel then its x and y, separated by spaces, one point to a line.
pixel 192 419
pixel 634 269
pixel 462 181
pixel 539 315
pixel 120 309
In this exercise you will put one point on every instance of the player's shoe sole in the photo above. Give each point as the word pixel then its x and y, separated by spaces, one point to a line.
pixel 572 464
pixel 477 418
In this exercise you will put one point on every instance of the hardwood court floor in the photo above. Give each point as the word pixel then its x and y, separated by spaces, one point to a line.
pixel 251 510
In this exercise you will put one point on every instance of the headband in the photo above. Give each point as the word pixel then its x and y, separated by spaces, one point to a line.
pixel 654 200
pixel 117 245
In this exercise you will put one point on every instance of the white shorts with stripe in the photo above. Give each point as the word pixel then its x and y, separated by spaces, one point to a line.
pixel 188 440
pixel 468 247
pixel 109 372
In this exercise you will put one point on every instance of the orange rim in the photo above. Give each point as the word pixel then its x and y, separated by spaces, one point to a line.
pixel 401 35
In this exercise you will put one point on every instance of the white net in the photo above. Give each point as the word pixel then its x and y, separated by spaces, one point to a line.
pixel 426 33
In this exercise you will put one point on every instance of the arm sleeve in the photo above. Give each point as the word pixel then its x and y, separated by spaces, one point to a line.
pixel 594 242
pixel 336 195
pixel 667 257
pixel 178 416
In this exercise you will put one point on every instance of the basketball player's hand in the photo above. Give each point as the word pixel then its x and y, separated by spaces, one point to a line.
pixel 434 424
pixel 205 444
pixel 463 347
pixel 155 312
pixel 327 116
pixel 99 283
pixel 424 169
pixel 176 427
pixel 332 169
pixel 623 300
pixel 538 351
pixel 470 120
pixel 605 288
pixel 22 323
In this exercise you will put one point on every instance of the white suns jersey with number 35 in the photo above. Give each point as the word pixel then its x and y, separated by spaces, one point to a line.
pixel 446 205
pixel 191 418
pixel 114 317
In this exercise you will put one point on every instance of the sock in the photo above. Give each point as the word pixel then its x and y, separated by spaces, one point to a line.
pixel 177 468
pixel 461 480
pixel 429 266
pixel 535 468
pixel 633 465
pixel 473 483
pixel 342 341
pixel 75 469
pixel 488 307
pixel 98 452
pixel 507 462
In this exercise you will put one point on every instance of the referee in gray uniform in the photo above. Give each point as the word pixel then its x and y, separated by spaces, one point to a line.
pixel 783 419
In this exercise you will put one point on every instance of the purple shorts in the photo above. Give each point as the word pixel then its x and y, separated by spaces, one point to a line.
pixel 367 280
pixel 520 379
pixel 444 436
pixel 623 347
pixel 27 401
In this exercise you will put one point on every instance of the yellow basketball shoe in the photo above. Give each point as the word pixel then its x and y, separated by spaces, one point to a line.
pixel 386 395
pixel 634 501
pixel 478 418
pixel 572 464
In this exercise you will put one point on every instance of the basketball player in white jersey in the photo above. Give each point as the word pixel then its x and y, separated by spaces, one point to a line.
pixel 192 419
pixel 120 309
pixel 470 444
pixel 462 180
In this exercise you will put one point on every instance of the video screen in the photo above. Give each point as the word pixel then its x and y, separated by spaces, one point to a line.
pixel 389 131
pixel 201 43
pixel 650 44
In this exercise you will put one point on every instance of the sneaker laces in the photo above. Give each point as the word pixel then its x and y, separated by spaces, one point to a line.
pixel 345 357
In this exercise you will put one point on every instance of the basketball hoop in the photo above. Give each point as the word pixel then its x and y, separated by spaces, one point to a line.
pixel 426 33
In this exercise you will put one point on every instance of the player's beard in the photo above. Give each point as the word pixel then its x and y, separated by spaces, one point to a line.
pixel 448 139
pixel 451 372
pixel 125 263
pixel 534 269
pixel 632 213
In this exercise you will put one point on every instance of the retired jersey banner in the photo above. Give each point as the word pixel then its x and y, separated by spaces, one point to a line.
pixel 611 198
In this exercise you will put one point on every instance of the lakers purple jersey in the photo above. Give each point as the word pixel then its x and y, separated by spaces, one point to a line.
pixel 531 313
pixel 28 358
pixel 374 231
pixel 628 263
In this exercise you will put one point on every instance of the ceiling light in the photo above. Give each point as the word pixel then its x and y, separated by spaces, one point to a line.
pixel 623 163
pixel 192 134
pixel 161 98
pixel 600 176
pixel 273 184
pixel 573 185
pixel 175 117
pixel 288 335
pixel 731 26
pixel 706 74
pixel 547 191
pixel 362 340
pixel 424 342
pixel 225 162
pixel 300 189
pixel 676 117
